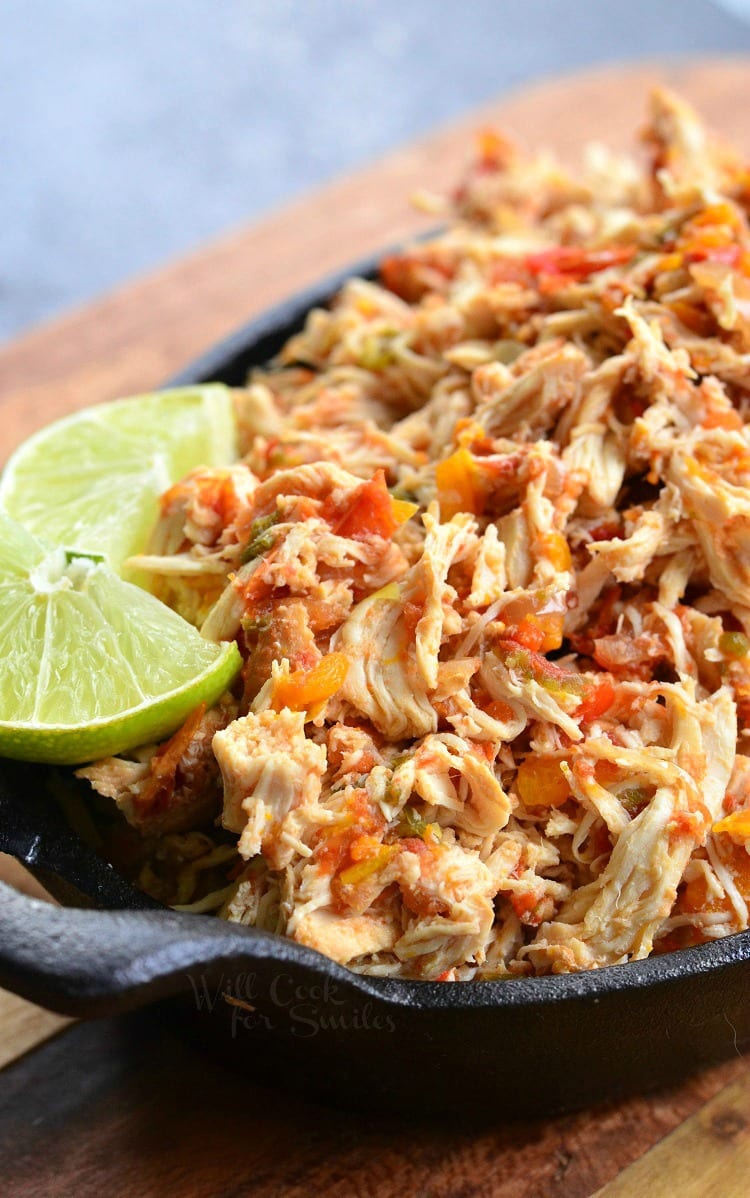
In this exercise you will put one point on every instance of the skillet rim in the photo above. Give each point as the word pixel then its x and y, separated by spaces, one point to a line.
pixel 52 849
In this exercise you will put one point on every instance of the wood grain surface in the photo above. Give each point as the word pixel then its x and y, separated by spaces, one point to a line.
pixel 138 336
pixel 130 1104
pixel 128 1107
pixel 708 1154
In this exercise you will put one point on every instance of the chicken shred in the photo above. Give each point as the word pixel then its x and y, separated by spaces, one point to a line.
pixel 487 560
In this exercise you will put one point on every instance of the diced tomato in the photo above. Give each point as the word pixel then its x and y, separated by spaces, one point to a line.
pixel 213 489
pixel 333 849
pixel 606 772
pixel 687 824
pixel 368 513
pixel 727 255
pixel 715 235
pixel 408 275
pixel 498 710
pixel 573 264
pixel 541 633
pixel 524 906
pixel 418 898
pixel 598 699
pixel 528 634
pixel 397 273
pixel 509 270
pixel 726 418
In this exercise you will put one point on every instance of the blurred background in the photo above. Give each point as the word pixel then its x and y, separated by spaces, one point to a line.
pixel 131 132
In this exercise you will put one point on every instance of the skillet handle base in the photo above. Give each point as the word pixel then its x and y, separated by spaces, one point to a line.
pixel 97 963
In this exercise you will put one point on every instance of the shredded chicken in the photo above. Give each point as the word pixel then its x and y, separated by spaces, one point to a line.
pixel 487 559
pixel 172 787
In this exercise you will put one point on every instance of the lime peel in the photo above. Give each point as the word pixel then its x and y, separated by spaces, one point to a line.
pixel 92 665
pixel 92 480
pixel 71 744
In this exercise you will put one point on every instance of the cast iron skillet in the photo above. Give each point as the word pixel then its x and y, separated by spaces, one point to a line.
pixel 290 1016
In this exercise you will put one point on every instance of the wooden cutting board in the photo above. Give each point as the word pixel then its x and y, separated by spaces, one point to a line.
pixel 125 1106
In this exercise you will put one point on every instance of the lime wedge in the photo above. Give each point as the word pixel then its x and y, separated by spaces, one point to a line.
pixel 89 664
pixel 91 481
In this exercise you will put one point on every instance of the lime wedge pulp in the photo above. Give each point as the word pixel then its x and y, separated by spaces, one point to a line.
pixel 92 480
pixel 91 665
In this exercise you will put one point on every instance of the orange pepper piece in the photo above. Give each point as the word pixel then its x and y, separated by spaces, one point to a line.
pixel 458 485
pixel 721 213
pixel 548 627
pixel 402 510
pixel 365 868
pixel 695 896
pixel 736 825
pixel 306 690
pixel 541 783
pixel 554 547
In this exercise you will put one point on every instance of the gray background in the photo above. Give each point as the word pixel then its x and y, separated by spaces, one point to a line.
pixel 130 130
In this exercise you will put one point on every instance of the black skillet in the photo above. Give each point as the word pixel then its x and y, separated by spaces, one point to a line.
pixel 288 1015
